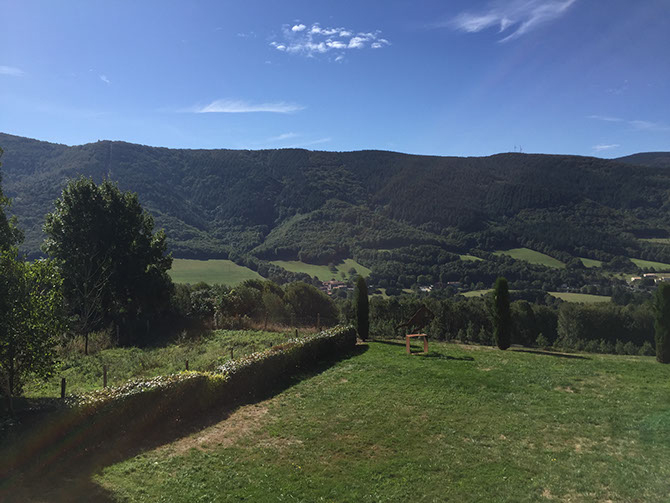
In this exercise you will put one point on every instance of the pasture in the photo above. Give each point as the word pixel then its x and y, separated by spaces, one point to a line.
pixel 322 271
pixel 590 262
pixel 462 423
pixel 214 271
pixel 650 264
pixel 531 256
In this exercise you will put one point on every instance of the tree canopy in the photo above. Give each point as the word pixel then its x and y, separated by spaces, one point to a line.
pixel 114 265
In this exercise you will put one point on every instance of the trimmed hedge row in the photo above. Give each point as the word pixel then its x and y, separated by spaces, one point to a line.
pixel 142 410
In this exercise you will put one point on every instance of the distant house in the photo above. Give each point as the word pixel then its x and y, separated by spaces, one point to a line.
pixel 426 288
pixel 330 286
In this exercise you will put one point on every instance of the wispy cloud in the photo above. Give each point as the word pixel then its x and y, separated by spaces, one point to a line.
pixel 641 125
pixel 12 71
pixel 283 137
pixel 241 106
pixel 316 40
pixel 513 18
pixel 601 147
pixel 309 143
pixel 104 79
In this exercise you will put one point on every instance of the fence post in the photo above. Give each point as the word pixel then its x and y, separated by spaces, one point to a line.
pixel 104 376
pixel 296 333
pixel 62 388
pixel 186 364
pixel 231 352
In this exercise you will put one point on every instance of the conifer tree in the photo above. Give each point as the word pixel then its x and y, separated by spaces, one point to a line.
pixel 502 318
pixel 362 308
pixel 662 312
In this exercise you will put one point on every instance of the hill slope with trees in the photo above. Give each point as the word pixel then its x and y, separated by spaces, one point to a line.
pixel 320 207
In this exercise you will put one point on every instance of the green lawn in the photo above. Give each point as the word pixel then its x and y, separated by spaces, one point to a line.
pixel 223 272
pixel 459 424
pixel 584 298
pixel 648 264
pixel 470 258
pixel 322 271
pixel 531 256
pixel 84 373
pixel 589 262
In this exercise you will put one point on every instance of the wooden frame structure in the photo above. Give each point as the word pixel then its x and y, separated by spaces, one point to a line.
pixel 425 342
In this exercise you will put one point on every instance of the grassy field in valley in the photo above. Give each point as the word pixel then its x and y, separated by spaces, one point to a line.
pixel 224 272
pixel 84 373
pixel 531 256
pixel 470 258
pixel 650 264
pixel 590 262
pixel 322 271
pixel 583 298
pixel 461 423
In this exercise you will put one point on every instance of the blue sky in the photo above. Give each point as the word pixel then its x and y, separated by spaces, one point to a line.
pixel 444 77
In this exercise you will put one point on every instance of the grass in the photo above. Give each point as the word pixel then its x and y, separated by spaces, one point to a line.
pixel 583 298
pixel 459 424
pixel 590 262
pixel 322 271
pixel 648 264
pixel 663 241
pixel 531 256
pixel 470 258
pixel 84 373
pixel 214 271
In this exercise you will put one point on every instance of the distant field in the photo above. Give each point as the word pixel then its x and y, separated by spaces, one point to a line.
pixel 589 262
pixel 321 271
pixel 462 423
pixel 583 298
pixel 222 272
pixel 663 241
pixel 532 256
pixel 648 264
pixel 470 258
pixel 566 296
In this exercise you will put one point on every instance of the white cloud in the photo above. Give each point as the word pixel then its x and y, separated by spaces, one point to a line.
pixel 12 71
pixel 642 125
pixel 283 136
pixel 104 79
pixel 241 106
pixel 601 147
pixel 316 40
pixel 514 16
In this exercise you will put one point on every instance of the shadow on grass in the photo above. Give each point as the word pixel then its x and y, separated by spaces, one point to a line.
pixel 549 353
pixel 439 356
pixel 47 461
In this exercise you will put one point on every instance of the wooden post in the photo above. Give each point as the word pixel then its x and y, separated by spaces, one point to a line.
pixel 104 376
pixel 407 344
pixel 425 344
pixel 62 388
pixel 186 364
pixel 296 333
pixel 231 352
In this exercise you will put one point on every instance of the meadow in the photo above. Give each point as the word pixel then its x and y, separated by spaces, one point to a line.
pixel 205 352
pixel 215 271
pixel 322 271
pixel 531 256
pixel 582 298
pixel 461 423
pixel 650 264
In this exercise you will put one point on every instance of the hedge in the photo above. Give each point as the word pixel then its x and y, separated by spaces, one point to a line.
pixel 142 409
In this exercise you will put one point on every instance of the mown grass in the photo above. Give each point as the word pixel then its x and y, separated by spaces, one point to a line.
pixel 590 262
pixel 583 298
pixel 531 256
pixel 223 272
pixel 650 264
pixel 322 271
pixel 470 258
pixel 85 373
pixel 459 424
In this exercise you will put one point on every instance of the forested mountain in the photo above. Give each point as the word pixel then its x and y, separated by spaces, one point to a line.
pixel 324 206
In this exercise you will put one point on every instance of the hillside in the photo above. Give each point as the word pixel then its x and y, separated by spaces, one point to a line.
pixel 321 207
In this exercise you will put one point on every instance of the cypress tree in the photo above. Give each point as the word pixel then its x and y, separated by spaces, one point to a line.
pixel 662 325
pixel 362 308
pixel 502 318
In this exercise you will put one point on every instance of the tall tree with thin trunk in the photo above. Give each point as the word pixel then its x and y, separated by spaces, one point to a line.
pixel 362 308
pixel 662 312
pixel 502 317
